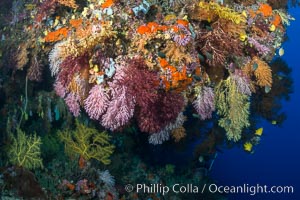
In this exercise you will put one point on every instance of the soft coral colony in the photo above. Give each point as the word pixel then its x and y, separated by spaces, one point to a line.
pixel 120 65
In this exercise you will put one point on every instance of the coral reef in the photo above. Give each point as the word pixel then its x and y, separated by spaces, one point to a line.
pixel 175 74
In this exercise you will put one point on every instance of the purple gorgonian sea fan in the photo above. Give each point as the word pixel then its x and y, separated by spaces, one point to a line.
pixel 205 103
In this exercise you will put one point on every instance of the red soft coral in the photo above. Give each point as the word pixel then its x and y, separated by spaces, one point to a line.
pixel 154 116
pixel 70 66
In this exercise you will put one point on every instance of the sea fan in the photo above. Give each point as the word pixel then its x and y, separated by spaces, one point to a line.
pixel 120 108
pixel 204 103
pixel 159 138
pixel 96 103
pixel 163 135
pixel 72 101
pixel 59 89
pixel 155 116
pixel 106 178
pixel 55 58
pixel 242 82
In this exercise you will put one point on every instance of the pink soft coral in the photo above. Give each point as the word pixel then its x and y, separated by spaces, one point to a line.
pixel 72 101
pixel 96 103
pixel 120 109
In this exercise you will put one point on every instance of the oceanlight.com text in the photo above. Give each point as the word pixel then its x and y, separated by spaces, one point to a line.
pixel 250 189
pixel 212 188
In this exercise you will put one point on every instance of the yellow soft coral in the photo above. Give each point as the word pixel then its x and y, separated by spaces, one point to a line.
pixel 68 3
pixel 88 143
pixel 233 108
pixel 25 151
pixel 222 12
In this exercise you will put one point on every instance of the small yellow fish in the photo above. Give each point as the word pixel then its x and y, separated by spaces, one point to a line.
pixel 272 28
pixel 248 146
pixel 55 22
pixel 281 52
pixel 259 131
pixel 96 69
pixel 243 37
pixel 274 122
pixel 244 13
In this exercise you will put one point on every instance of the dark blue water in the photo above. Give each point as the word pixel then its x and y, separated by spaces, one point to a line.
pixel 276 160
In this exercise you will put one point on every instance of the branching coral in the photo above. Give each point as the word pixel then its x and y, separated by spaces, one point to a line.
pixel 233 108
pixel 120 109
pixel 56 57
pixel 158 114
pixel 88 143
pixel 133 84
pixel 25 150
pixel 141 68
pixel 22 56
pixel 164 134
pixel 35 70
pixel 232 29
pixel 97 102
pixel 285 18
pixel 263 74
pixel 242 82
pixel 217 45
pixel 205 103
pixel 72 100
pixel 260 70
pixel 69 67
